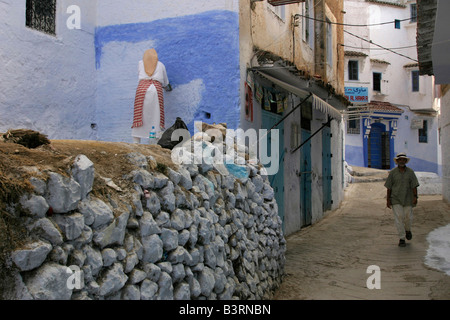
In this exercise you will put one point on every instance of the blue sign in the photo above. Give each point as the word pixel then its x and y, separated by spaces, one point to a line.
pixel 357 94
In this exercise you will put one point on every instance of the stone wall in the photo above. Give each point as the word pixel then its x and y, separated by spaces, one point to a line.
pixel 190 233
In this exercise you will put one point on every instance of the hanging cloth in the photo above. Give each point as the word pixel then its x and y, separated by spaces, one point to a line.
pixel 141 90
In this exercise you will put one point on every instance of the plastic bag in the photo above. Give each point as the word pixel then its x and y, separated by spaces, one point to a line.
pixel 166 138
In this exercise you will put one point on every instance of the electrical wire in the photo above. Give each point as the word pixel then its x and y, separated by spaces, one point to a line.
pixel 375 44
pixel 351 25
pixel 397 48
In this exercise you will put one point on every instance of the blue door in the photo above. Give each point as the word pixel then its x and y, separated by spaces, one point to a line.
pixel 305 179
pixel 375 146
pixel 268 119
pixel 326 168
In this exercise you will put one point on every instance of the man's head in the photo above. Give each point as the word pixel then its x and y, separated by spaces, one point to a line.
pixel 401 159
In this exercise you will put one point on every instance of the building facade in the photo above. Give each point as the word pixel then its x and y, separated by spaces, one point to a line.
pixel 433 47
pixel 71 70
pixel 394 108
pixel 291 81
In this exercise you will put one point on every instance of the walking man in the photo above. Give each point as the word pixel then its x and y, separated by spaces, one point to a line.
pixel 401 196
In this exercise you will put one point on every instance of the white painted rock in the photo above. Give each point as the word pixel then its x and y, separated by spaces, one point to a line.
pixel 31 256
pixel 83 173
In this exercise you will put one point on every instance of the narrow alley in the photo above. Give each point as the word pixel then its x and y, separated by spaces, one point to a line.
pixel 329 260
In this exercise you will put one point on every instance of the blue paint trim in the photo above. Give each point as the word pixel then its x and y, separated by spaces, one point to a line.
pixel 201 46
pixel 422 165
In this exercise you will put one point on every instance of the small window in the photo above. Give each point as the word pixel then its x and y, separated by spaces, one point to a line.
pixel 397 24
pixel 413 10
pixel 353 70
pixel 415 80
pixel 41 15
pixel 353 126
pixel 423 133
pixel 376 81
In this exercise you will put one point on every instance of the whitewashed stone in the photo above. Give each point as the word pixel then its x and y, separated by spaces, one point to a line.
pixel 49 282
pixel 148 225
pixel 36 205
pixel 207 281
pixel 167 197
pixel 143 178
pixel 131 261
pixel 148 290
pixel 114 233
pixel 83 173
pixel 160 180
pixel 178 272
pixel 31 256
pixel 166 267
pixel 153 248
pixel 165 291
pixel 39 185
pixel 194 288
pixel 153 271
pixel 183 237
pixel 97 213
pixel 77 258
pixel 163 219
pixel 169 238
pixel 113 280
pixel 152 203
pixel 121 253
pixel 178 255
pixel 177 219
pixel 174 176
pixel 63 193
pixel 131 292
pixel 185 179
pixel 137 276
pixel 93 259
pixel 71 225
pixel 182 292
pixel 46 230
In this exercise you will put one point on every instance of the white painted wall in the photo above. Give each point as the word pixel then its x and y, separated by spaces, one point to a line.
pixel 423 155
pixel 398 77
pixel 47 82
pixel 147 10
pixel 445 142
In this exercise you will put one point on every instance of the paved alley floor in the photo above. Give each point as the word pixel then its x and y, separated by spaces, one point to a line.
pixel 329 260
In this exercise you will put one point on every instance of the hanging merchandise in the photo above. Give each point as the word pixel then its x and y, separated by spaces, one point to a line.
pixel 259 94
pixel 248 103
pixel 267 99
pixel 280 102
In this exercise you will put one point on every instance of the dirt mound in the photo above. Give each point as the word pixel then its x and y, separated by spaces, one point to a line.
pixel 18 163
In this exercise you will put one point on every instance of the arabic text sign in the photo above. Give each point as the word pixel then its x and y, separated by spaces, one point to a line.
pixel 357 94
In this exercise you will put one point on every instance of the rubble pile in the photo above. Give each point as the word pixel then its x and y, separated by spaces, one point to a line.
pixel 192 233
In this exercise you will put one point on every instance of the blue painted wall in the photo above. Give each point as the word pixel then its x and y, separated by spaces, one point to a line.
pixel 201 55
pixel 354 155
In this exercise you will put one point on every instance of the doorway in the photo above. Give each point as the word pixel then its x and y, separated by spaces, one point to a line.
pixel 268 119
pixel 326 168
pixel 378 147
pixel 305 180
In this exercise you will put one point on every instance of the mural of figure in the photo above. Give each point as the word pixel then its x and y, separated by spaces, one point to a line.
pixel 149 100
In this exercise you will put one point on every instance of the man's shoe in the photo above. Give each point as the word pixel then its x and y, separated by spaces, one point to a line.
pixel 408 235
pixel 402 243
